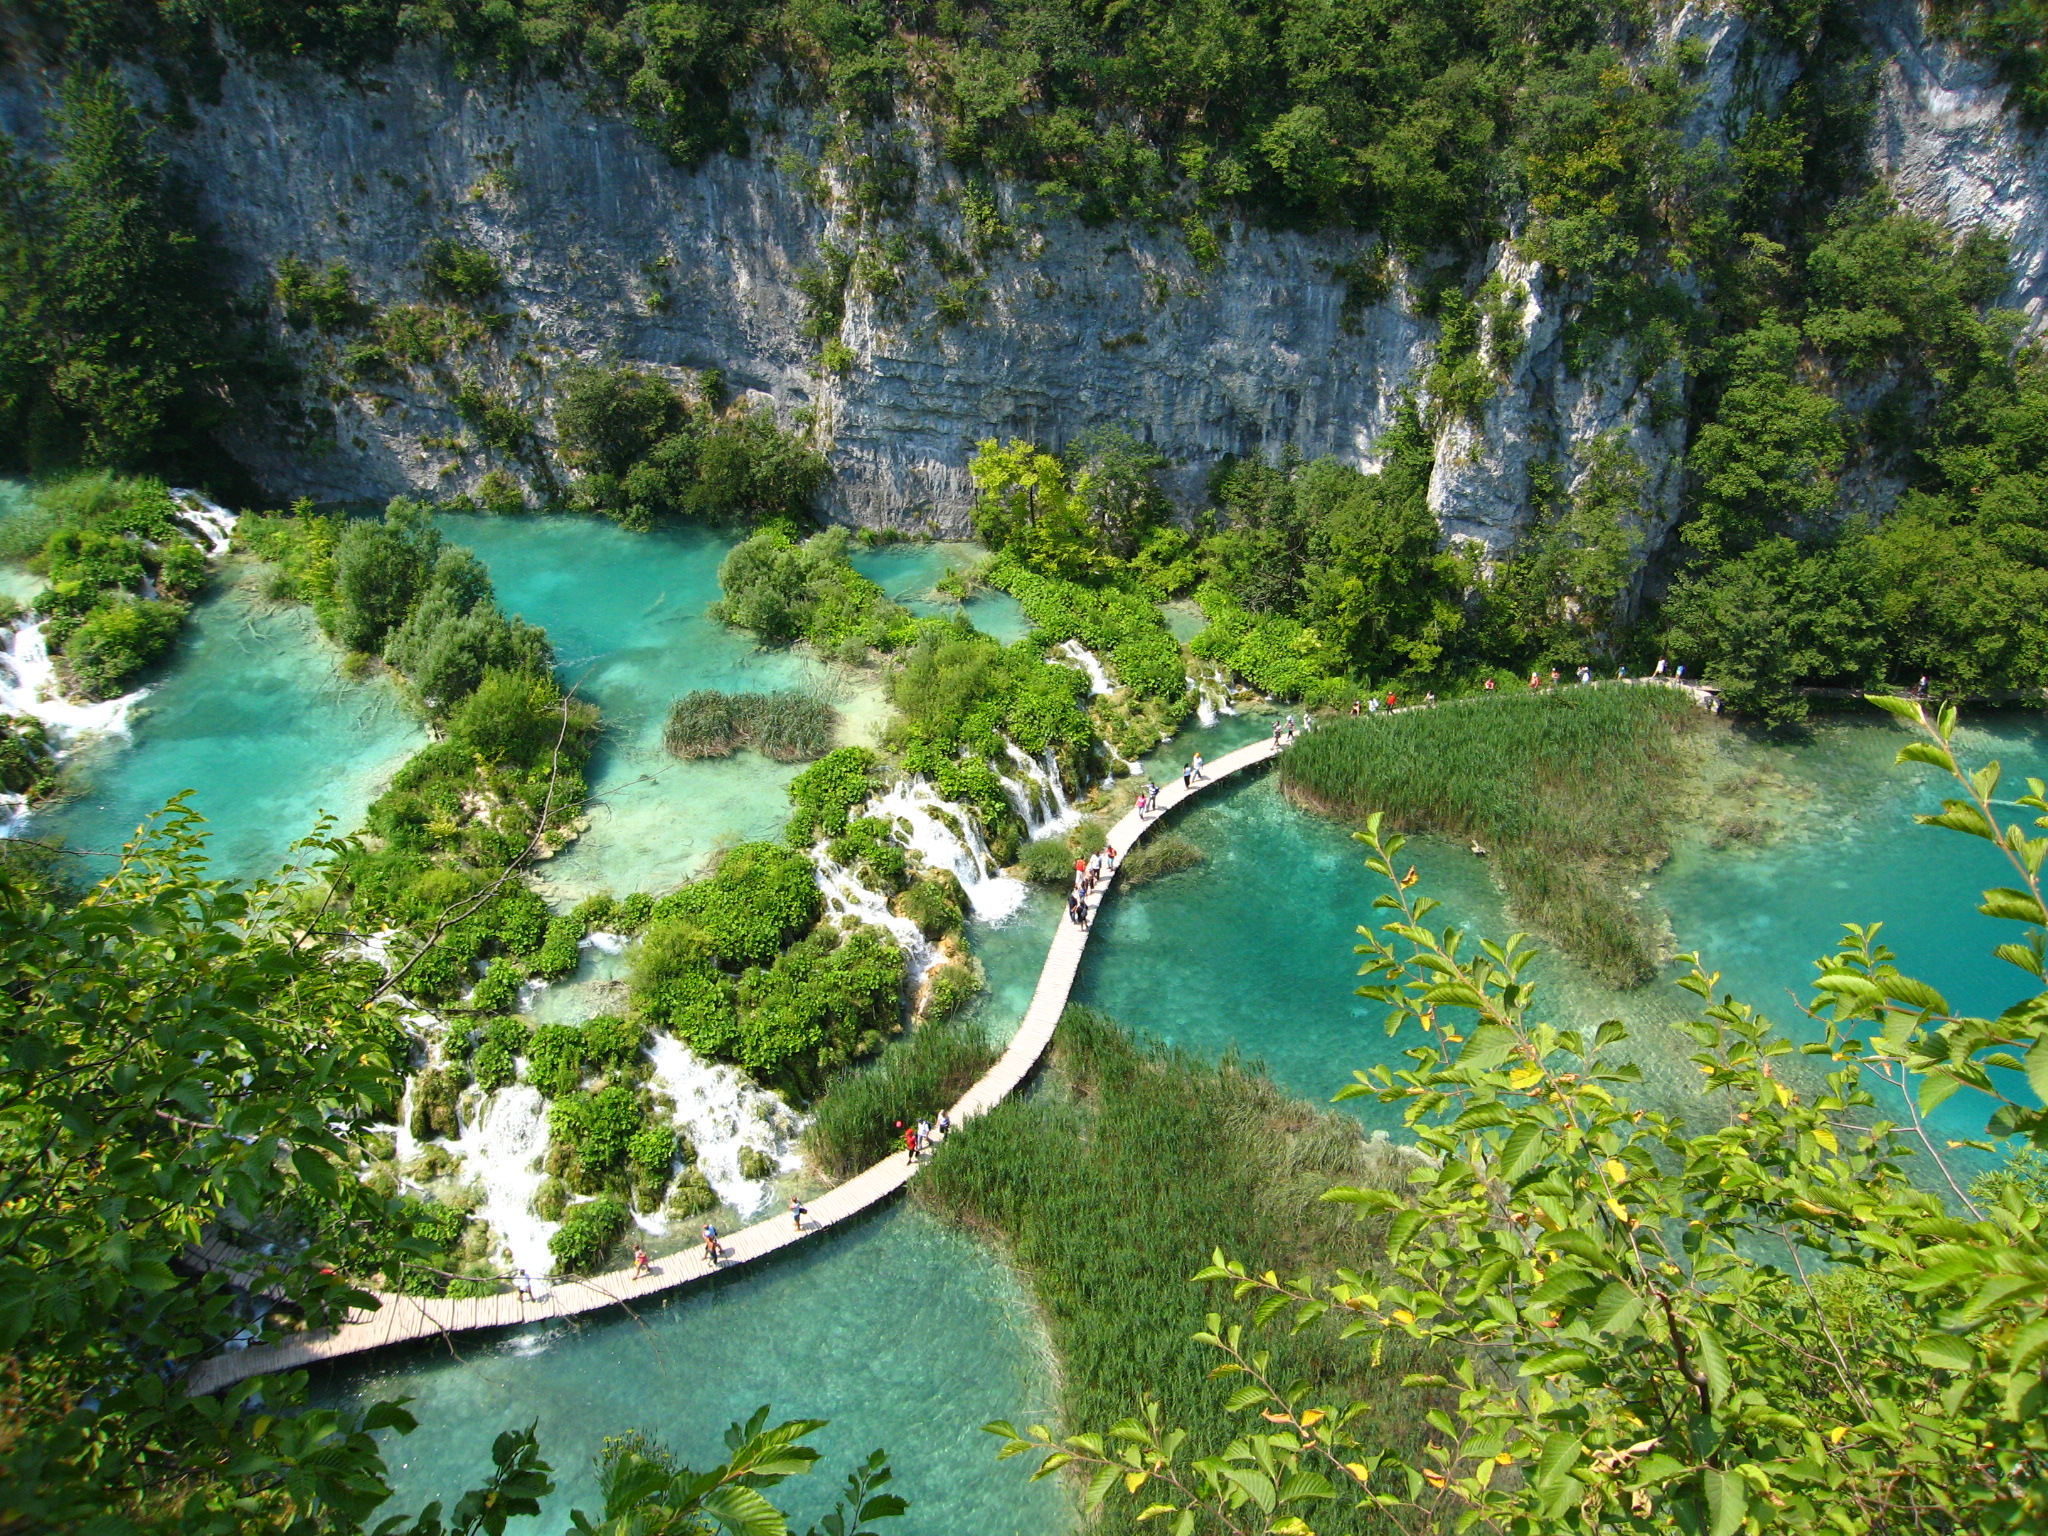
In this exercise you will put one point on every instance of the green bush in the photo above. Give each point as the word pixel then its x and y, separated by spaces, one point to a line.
pixel 932 905
pixel 825 794
pixel 554 1059
pixel 588 1234
pixel 498 991
pixel 1047 861
pixel 596 1129
pixel 559 951
pixel 691 1195
pixel 435 1093
pixel 652 1151
pixel 756 1164
pixel 866 848
pixel 458 270
pixel 783 591
pixel 760 897
pixel 953 986
pixel 612 1043
pixel 494 1064
pixel 117 641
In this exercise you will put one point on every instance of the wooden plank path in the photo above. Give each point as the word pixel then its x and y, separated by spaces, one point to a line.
pixel 400 1318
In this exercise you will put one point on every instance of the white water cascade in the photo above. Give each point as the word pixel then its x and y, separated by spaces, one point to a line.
pixel 1212 693
pixel 213 523
pixel 949 843
pixel 845 896
pixel 1038 794
pixel 29 686
pixel 502 1150
pixel 722 1110
pixel 1078 655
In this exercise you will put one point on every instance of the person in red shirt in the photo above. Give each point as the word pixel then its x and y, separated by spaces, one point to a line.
pixel 910 1142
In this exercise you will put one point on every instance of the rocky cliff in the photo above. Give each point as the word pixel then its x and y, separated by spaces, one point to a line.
pixel 611 252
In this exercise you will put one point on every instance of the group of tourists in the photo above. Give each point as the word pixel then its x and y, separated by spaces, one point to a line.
pixel 1089 873
pixel 918 1138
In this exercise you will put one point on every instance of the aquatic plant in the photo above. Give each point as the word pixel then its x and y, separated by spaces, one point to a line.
pixel 789 727
pixel 589 1233
pixel 824 795
pixel 1570 789
pixel 853 1123
pixel 1159 853
pixel 494 1063
pixel 1150 1151
pixel 935 904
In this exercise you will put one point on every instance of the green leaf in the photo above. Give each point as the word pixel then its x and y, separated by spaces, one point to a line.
pixel 744 1511
pixel 2037 1068
pixel 1617 1309
pixel 1914 994
pixel 1727 1501
pixel 1560 1455
pixel 1946 1352
pixel 2027 1346
pixel 1520 1152
pixel 2019 906
pixel 1936 1088
pixel 1555 1362
pixel 1713 1360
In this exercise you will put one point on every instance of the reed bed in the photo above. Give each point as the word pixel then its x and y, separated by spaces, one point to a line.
pixel 1114 1186
pixel 789 727
pixel 1571 788
pixel 854 1122
pixel 1161 853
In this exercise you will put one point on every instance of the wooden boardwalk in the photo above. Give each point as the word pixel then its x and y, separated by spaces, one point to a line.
pixel 397 1319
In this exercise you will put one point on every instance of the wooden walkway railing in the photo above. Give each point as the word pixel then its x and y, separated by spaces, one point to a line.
pixel 399 1318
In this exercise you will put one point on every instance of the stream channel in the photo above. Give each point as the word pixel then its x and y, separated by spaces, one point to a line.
pixel 902 1332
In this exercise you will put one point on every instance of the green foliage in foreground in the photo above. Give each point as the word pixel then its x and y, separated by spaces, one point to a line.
pixel 177 1059
pixel 1136 1153
pixel 1761 1324
pixel 788 727
pixel 854 1123
pixel 1570 790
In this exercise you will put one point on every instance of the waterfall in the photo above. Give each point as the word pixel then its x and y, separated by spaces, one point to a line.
pixel 845 896
pixel 1039 796
pixel 916 806
pixel 214 523
pixel 29 686
pixel 502 1150
pixel 1080 656
pixel 722 1110
pixel 1212 693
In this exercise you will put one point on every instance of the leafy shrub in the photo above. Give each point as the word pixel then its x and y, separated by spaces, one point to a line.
pixel 756 1164
pixel 652 1151
pixel 554 1059
pixel 783 591
pixel 952 987
pixel 829 999
pixel 692 1195
pixel 588 1234
pixel 435 1093
pixel 867 849
pixel 324 298
pixel 457 270
pixel 559 951
pixel 825 794
pixel 498 991
pixel 551 1199
pixel 494 1064
pixel 931 905
pixel 759 898
pixel 613 1044
pixel 1047 861
pixel 117 641
pixel 596 1129
pixel 518 919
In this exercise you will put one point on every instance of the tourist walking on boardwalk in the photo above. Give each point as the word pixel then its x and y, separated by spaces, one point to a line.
pixel 1681 671
pixel 924 1136
pixel 1390 701
pixel 1276 727
pixel 1354 709
pixel 1151 798
pixel 1197 766
pixel 945 1123
pixel 1075 907
pixel 1660 666
pixel 522 1282
pixel 712 1252
pixel 640 1265
pixel 797 1212
pixel 910 1143
pixel 1187 775
pixel 1430 697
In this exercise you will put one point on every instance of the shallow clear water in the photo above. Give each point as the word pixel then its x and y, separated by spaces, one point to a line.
pixel 627 615
pixel 1252 951
pixel 902 1332
pixel 909 574
pixel 252 715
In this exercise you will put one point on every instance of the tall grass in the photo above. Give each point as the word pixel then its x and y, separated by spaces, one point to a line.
pixel 789 727
pixel 853 1124
pixel 1111 1193
pixel 1571 788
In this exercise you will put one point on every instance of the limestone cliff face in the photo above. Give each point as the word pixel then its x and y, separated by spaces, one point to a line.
pixel 611 252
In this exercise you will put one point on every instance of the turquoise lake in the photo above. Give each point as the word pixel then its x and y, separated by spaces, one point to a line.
pixel 902 1332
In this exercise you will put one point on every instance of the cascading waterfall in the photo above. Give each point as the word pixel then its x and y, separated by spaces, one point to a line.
pixel 1080 656
pixel 916 806
pixel 29 686
pixel 845 896
pixel 502 1150
pixel 214 523
pixel 722 1110
pixel 1038 795
pixel 1212 694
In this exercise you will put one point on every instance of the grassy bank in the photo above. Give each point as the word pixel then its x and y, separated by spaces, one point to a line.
pixel 1114 1186
pixel 1570 789
pixel 854 1122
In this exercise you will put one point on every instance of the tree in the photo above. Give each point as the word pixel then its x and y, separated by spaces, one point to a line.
pixel 1767 461
pixel 379 571
pixel 1762 1323
pixel 1034 507
pixel 1778 617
